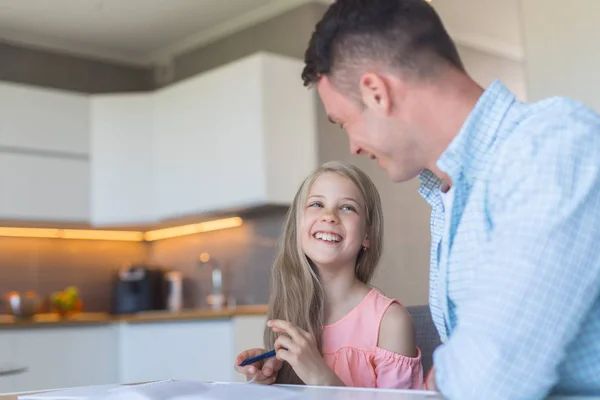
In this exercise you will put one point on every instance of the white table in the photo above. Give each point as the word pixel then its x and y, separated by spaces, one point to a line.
pixel 327 393
pixel 331 393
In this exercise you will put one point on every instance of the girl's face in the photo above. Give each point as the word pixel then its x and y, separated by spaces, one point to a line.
pixel 333 228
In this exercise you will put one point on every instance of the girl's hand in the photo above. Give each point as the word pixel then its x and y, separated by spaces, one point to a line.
pixel 302 354
pixel 263 372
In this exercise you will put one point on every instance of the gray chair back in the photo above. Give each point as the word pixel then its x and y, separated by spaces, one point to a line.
pixel 426 333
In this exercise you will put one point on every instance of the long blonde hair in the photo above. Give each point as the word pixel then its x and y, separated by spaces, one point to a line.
pixel 296 293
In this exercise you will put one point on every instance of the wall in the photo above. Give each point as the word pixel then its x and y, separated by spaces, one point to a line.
pixel 486 68
pixel 46 265
pixel 286 34
pixel 245 255
pixel 63 71
pixel 562 57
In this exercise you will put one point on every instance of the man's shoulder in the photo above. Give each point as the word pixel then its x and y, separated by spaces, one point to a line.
pixel 557 112
pixel 549 128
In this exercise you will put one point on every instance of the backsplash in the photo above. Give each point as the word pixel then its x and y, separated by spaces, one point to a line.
pixel 245 254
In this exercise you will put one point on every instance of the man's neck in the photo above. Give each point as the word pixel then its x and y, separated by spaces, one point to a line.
pixel 453 99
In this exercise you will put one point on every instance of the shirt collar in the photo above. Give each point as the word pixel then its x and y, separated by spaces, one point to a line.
pixel 467 152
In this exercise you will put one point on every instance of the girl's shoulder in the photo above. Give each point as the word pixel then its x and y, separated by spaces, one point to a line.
pixel 397 331
pixel 395 328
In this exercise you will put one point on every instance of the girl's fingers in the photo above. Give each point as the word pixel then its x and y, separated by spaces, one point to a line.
pixel 284 355
pixel 286 344
pixel 293 331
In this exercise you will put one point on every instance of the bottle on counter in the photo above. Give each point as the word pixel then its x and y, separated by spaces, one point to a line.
pixel 216 300
pixel 174 284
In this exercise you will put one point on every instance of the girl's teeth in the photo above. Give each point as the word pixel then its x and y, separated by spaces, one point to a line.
pixel 327 237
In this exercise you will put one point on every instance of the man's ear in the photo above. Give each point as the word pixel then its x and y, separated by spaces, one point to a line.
pixel 375 93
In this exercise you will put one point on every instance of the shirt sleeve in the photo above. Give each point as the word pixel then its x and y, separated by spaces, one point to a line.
pixel 396 371
pixel 541 272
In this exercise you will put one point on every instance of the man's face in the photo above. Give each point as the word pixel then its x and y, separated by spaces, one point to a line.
pixel 376 132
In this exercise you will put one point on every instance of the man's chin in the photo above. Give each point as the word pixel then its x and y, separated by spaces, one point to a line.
pixel 398 176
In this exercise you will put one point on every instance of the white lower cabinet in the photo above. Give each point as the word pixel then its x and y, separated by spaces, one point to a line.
pixel 196 350
pixel 58 357
pixel 64 356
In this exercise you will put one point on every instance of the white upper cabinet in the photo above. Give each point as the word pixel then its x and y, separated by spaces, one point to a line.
pixel 121 159
pixel 44 154
pixel 43 119
pixel 240 135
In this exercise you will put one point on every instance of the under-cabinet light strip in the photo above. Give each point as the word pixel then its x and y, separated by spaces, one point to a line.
pixel 128 236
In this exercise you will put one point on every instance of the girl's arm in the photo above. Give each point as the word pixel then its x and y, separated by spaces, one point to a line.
pixel 397 332
pixel 397 359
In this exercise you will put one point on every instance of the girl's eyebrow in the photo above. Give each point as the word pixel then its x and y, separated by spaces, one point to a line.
pixel 351 199
pixel 318 196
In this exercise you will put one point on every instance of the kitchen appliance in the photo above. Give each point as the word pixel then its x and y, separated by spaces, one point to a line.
pixel 138 288
pixel 174 291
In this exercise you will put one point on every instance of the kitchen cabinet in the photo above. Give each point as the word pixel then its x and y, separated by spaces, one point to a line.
pixel 125 352
pixel 248 331
pixel 44 188
pixel 208 147
pixel 35 118
pixel 121 159
pixel 6 359
pixel 44 154
pixel 65 356
pixel 201 350
pixel 240 135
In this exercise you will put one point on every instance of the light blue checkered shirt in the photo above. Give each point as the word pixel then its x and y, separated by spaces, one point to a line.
pixel 515 277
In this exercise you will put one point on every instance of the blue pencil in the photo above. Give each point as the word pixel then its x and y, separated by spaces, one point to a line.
pixel 257 358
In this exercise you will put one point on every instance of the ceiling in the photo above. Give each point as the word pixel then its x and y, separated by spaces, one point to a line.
pixel 150 31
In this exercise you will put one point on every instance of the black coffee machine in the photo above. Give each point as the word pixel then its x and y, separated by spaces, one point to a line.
pixel 138 288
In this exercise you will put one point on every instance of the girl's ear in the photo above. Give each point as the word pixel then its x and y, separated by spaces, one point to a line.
pixel 366 243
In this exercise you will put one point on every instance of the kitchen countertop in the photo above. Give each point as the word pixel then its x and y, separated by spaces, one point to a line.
pixel 85 318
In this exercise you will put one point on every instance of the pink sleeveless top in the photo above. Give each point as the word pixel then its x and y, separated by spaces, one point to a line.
pixel 350 350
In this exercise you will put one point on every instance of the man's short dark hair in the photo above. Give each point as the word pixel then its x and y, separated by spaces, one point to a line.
pixel 406 35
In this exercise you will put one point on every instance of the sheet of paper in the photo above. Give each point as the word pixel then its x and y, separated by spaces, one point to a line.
pixel 190 390
pixel 76 393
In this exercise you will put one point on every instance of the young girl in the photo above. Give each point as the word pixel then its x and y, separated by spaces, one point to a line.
pixel 328 326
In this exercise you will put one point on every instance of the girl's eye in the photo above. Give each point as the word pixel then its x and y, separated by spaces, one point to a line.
pixel 316 204
pixel 348 208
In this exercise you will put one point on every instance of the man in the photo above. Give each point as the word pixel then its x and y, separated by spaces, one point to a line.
pixel 514 190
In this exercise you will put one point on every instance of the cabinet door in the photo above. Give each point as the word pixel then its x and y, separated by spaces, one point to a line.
pixel 208 148
pixel 7 359
pixel 66 356
pixel 37 187
pixel 43 119
pixel 121 161
pixel 248 334
pixel 197 350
